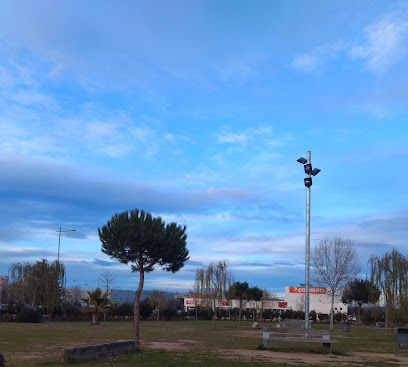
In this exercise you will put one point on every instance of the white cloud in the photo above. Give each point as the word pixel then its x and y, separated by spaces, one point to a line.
pixel 203 176
pixel 176 138
pixel 239 70
pixel 305 62
pixel 315 58
pixel 101 129
pixel 229 192
pixel 149 138
pixel 33 98
pixel 110 138
pixel 386 44
pixel 233 138
pixel 6 80
pixel 226 135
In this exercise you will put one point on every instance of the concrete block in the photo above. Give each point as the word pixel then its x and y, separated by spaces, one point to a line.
pixel 98 350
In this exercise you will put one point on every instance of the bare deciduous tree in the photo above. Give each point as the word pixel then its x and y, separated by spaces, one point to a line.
pixel 157 300
pixel 214 281
pixel 108 279
pixel 335 263
pixel 266 298
pixel 196 293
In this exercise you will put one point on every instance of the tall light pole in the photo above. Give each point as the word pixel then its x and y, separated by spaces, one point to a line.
pixel 59 280
pixel 308 183
pixel 60 230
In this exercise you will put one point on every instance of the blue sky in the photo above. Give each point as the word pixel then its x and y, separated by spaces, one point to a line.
pixel 197 111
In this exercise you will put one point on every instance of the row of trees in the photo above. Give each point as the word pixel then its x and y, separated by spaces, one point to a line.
pixel 336 266
pixel 243 293
pixel 359 292
pixel 41 283
pixel 214 283
pixel 96 305
pixel 143 241
pixel 211 284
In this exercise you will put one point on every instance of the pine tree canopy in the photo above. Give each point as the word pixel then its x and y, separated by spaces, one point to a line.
pixel 139 238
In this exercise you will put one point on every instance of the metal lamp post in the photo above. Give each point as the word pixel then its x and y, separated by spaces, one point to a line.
pixel 59 239
pixel 308 183
pixel 60 230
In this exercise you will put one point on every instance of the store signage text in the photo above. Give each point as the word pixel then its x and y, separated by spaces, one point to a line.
pixel 317 290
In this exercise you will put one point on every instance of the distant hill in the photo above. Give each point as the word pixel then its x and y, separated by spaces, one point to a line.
pixel 122 296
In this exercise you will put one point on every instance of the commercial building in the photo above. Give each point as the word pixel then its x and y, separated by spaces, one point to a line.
pixel 319 297
pixel 320 301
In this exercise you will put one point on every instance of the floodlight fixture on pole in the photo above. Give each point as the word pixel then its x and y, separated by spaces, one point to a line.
pixel 308 183
pixel 302 160
pixel 59 239
pixel 315 171
pixel 308 168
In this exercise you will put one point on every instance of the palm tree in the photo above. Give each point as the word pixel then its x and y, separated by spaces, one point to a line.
pixel 96 302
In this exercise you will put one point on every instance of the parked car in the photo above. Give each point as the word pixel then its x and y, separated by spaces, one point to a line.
pixel 352 319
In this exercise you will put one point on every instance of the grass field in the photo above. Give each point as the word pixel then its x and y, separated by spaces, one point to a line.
pixel 192 343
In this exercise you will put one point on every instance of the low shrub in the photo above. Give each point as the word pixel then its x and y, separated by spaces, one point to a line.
pixel 261 347
pixel 28 315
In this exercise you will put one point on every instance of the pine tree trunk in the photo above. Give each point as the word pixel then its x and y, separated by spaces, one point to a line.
pixel 136 305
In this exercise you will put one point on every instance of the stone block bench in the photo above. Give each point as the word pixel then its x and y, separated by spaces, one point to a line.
pixel 98 350
pixel 290 323
pixel 297 335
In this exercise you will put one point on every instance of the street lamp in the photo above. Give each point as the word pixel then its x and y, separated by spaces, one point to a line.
pixel 308 183
pixel 60 230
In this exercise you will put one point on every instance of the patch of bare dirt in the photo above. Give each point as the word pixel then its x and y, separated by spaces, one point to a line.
pixel 315 359
pixel 296 359
pixel 165 345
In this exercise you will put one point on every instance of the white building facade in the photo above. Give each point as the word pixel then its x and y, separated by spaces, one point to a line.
pixel 320 301
pixel 319 297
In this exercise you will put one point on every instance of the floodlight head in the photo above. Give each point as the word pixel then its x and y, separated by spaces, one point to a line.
pixel 308 181
pixel 315 171
pixel 302 160
pixel 308 168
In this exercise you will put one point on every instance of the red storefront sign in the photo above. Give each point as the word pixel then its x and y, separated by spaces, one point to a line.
pixel 193 302
pixel 316 290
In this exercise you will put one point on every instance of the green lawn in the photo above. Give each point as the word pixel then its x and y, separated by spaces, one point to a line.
pixel 185 343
